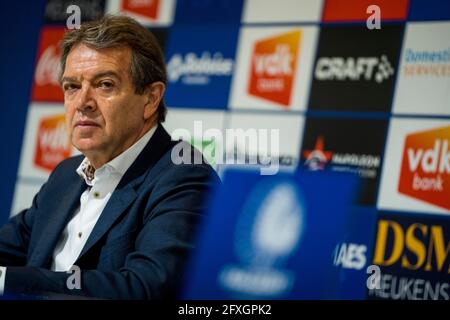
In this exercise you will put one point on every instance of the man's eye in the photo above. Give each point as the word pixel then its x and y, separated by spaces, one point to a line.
pixel 69 86
pixel 106 85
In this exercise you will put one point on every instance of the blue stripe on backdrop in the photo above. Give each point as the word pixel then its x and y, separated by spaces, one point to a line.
pixel 429 10
pixel 19 32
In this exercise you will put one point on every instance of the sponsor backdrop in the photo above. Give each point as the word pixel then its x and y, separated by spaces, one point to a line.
pixel 345 98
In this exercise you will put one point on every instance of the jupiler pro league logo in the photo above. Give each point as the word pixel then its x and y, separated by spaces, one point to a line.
pixel 267 233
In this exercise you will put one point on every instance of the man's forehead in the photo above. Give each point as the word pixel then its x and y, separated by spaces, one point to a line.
pixel 84 58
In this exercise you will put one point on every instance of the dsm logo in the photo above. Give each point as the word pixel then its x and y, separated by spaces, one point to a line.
pixel 416 246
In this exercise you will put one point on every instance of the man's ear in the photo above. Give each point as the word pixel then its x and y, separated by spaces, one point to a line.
pixel 154 92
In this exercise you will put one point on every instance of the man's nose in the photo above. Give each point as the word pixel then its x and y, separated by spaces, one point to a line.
pixel 86 101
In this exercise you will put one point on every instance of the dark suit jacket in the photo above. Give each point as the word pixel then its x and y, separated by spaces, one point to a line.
pixel 139 245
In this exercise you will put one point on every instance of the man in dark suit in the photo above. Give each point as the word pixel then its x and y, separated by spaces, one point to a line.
pixel 119 221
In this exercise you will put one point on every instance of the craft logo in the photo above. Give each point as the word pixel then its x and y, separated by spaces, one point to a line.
pixel 52 145
pixel 365 165
pixel 426 63
pixel 46 85
pixel 273 67
pixel 414 259
pixel 354 69
pixel 197 70
pixel 268 232
pixel 145 8
pixel 425 168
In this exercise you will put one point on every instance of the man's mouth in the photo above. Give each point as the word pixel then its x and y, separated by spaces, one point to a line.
pixel 86 124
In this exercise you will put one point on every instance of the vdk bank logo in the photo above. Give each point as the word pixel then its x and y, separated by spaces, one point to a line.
pixel 52 145
pixel 197 70
pixel 268 232
pixel 273 66
pixel 425 169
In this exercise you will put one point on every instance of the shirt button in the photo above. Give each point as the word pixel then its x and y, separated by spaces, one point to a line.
pixel 80 234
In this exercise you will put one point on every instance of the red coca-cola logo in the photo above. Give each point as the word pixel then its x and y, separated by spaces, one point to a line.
pixel 45 83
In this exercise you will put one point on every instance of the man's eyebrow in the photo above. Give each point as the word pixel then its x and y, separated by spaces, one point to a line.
pixel 68 79
pixel 108 73
pixel 97 76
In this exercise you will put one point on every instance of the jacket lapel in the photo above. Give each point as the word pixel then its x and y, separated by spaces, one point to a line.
pixel 66 204
pixel 126 191
pixel 119 201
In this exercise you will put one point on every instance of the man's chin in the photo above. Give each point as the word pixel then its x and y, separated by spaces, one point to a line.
pixel 86 146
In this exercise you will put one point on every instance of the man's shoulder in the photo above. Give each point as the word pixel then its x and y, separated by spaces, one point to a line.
pixel 185 160
pixel 182 152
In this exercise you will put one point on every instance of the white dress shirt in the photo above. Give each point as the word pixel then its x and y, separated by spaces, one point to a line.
pixel 2 279
pixel 92 202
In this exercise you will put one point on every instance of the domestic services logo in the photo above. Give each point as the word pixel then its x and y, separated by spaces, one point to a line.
pixel 424 74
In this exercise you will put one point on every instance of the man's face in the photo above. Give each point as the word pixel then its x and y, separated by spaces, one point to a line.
pixel 104 115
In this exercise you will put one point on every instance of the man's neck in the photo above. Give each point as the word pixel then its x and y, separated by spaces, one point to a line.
pixel 98 159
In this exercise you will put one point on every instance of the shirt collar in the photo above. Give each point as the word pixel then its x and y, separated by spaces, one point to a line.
pixel 119 164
